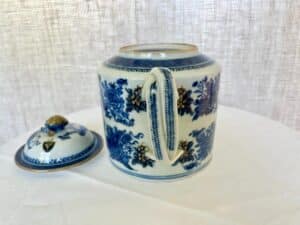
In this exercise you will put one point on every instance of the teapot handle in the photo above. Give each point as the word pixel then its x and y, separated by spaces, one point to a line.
pixel 161 96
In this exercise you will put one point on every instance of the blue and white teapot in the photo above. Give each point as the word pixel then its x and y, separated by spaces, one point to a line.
pixel 160 103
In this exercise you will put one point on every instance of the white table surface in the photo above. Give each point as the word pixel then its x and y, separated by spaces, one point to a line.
pixel 254 178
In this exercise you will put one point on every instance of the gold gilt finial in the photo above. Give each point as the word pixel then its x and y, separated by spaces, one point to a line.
pixel 56 122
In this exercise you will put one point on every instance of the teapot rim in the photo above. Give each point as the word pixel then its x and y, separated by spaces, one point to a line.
pixel 159 51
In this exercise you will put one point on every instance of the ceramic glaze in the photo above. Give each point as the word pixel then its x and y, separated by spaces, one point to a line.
pixel 160 103
pixel 58 144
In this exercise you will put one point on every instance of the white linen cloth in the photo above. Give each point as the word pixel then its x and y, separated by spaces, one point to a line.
pixel 252 179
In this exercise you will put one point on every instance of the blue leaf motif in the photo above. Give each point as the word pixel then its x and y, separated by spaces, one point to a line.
pixel 121 144
pixel 204 139
pixel 194 152
pixel 114 103
pixel 206 91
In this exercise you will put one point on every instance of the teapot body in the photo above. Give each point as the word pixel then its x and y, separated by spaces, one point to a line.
pixel 159 107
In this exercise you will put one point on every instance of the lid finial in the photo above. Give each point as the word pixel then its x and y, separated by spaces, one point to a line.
pixel 56 123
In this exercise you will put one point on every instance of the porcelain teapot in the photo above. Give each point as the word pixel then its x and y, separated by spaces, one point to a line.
pixel 159 106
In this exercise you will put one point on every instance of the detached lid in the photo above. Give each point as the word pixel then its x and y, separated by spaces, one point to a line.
pixel 58 144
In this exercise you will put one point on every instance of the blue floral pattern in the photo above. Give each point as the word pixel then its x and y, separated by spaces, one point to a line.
pixel 125 146
pixel 114 102
pixel 119 100
pixel 122 144
pixel 48 144
pixel 204 141
pixel 195 153
pixel 206 91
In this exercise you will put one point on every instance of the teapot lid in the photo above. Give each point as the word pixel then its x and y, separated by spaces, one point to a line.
pixel 58 144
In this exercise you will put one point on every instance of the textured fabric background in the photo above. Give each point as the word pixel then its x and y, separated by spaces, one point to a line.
pixel 49 51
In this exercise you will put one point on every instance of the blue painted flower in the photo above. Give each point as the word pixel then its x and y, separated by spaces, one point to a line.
pixel 114 104
pixel 121 144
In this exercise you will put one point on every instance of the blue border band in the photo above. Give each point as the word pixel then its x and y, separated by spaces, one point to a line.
pixel 162 177
pixel 154 122
pixel 145 65
pixel 169 113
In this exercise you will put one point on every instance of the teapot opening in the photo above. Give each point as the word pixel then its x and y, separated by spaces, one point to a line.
pixel 159 51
